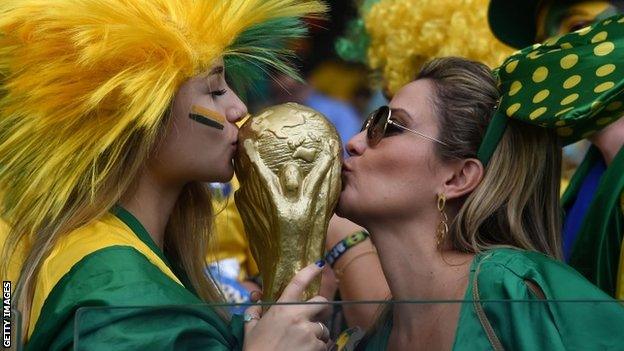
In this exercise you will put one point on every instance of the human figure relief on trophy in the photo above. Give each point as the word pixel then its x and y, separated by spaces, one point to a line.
pixel 288 166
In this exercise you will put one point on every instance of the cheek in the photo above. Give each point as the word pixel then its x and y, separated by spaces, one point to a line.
pixel 192 151
pixel 389 183
pixel 213 155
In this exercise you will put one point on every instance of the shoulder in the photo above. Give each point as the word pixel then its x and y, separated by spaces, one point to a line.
pixel 118 276
pixel 104 253
pixel 515 261
pixel 115 276
pixel 158 311
pixel 107 236
pixel 105 263
pixel 513 271
pixel 573 312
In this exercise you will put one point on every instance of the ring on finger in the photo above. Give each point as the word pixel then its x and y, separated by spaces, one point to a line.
pixel 324 332
pixel 248 317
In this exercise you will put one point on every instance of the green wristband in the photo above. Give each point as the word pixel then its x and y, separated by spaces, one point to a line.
pixel 345 244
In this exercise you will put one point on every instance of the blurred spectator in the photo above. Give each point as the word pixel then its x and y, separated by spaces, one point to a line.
pixel 342 114
pixel 347 82
pixel 593 202
pixel 229 259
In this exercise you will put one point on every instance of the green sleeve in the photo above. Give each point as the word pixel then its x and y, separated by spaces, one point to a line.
pixel 547 325
pixel 518 325
pixel 595 323
pixel 94 304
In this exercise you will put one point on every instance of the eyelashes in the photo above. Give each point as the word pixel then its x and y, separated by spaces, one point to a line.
pixel 391 129
pixel 217 93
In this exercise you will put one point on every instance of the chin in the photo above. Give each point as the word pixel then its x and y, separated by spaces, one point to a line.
pixel 344 208
pixel 221 175
pixel 225 176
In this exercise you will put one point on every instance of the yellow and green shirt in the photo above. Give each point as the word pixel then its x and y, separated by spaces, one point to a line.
pixel 107 286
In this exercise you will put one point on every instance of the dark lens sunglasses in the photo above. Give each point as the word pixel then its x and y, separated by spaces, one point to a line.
pixel 376 126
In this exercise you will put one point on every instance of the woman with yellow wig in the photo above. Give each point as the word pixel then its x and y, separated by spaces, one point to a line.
pixel 396 37
pixel 112 115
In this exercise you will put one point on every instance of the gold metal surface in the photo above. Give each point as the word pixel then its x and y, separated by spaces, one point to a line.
pixel 288 164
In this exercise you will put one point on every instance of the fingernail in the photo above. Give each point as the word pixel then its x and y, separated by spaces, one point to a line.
pixel 320 263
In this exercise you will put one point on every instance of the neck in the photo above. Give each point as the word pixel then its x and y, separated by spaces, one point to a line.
pixel 610 140
pixel 415 268
pixel 151 201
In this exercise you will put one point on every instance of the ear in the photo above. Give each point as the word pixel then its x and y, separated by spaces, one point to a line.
pixel 465 176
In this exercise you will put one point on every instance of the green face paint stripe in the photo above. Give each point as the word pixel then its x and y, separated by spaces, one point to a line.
pixel 206 121
pixel 207 117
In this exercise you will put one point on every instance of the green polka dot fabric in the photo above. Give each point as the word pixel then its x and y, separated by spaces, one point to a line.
pixel 573 83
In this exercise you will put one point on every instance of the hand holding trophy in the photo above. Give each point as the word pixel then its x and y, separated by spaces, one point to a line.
pixel 288 165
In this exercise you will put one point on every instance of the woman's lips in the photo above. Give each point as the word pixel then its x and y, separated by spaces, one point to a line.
pixel 346 167
pixel 234 146
pixel 345 173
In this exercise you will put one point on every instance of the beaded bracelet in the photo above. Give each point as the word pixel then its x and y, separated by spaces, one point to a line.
pixel 343 245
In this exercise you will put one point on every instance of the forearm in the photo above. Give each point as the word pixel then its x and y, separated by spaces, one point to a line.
pixel 360 278
pixel 359 274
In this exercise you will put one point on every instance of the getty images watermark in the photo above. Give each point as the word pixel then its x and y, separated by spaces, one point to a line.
pixel 6 314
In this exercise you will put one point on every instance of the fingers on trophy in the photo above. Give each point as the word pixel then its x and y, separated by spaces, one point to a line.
pixel 288 166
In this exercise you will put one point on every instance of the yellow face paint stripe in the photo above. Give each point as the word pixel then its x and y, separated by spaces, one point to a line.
pixel 207 117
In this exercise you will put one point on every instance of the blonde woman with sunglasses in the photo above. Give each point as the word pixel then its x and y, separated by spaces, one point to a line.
pixel 449 223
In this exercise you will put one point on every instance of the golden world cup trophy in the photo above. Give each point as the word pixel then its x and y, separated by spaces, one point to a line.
pixel 288 165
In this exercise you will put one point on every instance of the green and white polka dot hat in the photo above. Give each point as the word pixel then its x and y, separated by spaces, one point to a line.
pixel 572 83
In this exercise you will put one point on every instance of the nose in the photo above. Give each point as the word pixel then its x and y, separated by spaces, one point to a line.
pixel 357 144
pixel 237 110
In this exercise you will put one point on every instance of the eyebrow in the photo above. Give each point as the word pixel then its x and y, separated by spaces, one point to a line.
pixel 402 114
pixel 216 70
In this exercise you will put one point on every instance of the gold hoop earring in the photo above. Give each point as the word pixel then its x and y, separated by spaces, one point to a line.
pixel 443 228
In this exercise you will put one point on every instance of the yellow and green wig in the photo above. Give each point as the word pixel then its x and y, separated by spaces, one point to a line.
pixel 83 80
pixel 398 36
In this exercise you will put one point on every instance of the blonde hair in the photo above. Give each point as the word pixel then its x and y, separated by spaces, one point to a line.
pixel 404 34
pixel 517 202
pixel 85 88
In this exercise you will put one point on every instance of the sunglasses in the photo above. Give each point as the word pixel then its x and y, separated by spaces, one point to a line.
pixel 380 124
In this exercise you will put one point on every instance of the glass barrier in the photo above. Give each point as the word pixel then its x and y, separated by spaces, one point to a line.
pixel 478 324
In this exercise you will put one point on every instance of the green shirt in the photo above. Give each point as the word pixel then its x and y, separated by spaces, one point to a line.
pixel 115 298
pixel 531 324
pixel 596 252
